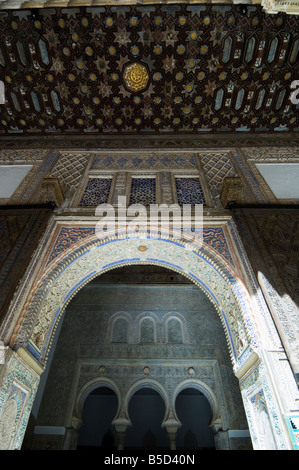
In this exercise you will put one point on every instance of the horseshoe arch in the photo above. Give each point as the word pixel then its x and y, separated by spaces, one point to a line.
pixel 76 267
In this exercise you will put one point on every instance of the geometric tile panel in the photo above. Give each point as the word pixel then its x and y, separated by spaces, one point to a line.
pixel 68 236
pixel 69 170
pixel 96 192
pixel 144 160
pixel 143 191
pixel 189 191
pixel 216 168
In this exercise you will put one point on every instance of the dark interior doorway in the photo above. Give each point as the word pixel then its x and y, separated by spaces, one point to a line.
pixel 194 412
pixel 146 411
pixel 99 410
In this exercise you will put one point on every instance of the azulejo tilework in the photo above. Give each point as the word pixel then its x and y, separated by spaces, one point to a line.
pixel 144 160
pixel 16 399
pixel 143 191
pixel 69 236
pixel 209 69
pixel 96 192
pixel 189 191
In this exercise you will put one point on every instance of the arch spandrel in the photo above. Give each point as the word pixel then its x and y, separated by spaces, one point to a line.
pixel 92 258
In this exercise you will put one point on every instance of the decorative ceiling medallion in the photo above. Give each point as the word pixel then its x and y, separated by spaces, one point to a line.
pixel 136 77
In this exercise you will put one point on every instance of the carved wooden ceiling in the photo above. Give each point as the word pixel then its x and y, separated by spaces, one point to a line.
pixel 155 69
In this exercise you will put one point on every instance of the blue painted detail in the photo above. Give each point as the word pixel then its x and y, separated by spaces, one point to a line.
pixel 35 101
pixel 260 99
pixel 280 99
pixel 78 284
pixel 143 191
pixel 15 101
pixel 115 263
pixel 273 49
pixel 55 100
pixel 33 351
pixel 219 98
pixel 96 192
pixel 250 49
pixel 189 191
pixel 227 49
pixel 239 99
pixel 43 51
pixel 21 52
pixel 165 262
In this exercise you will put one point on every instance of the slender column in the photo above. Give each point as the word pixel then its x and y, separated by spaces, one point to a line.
pixel 121 435
pixel 121 425
pixel 172 439
pixel 171 426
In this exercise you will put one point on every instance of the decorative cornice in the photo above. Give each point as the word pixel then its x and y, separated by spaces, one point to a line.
pixel 172 141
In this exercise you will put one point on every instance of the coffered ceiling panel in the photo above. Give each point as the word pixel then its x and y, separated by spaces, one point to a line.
pixel 155 69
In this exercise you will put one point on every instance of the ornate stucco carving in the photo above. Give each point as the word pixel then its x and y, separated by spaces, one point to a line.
pixel 74 271
pixel 19 384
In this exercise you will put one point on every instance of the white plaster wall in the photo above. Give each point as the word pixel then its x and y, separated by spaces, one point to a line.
pixel 10 178
pixel 283 178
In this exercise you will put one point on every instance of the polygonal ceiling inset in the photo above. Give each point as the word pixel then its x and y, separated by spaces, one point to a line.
pixel 135 77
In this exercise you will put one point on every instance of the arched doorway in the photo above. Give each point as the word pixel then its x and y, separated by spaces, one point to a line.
pixel 205 269
pixel 230 293
pixel 194 412
pixel 97 431
pixel 146 411
pixel 103 341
